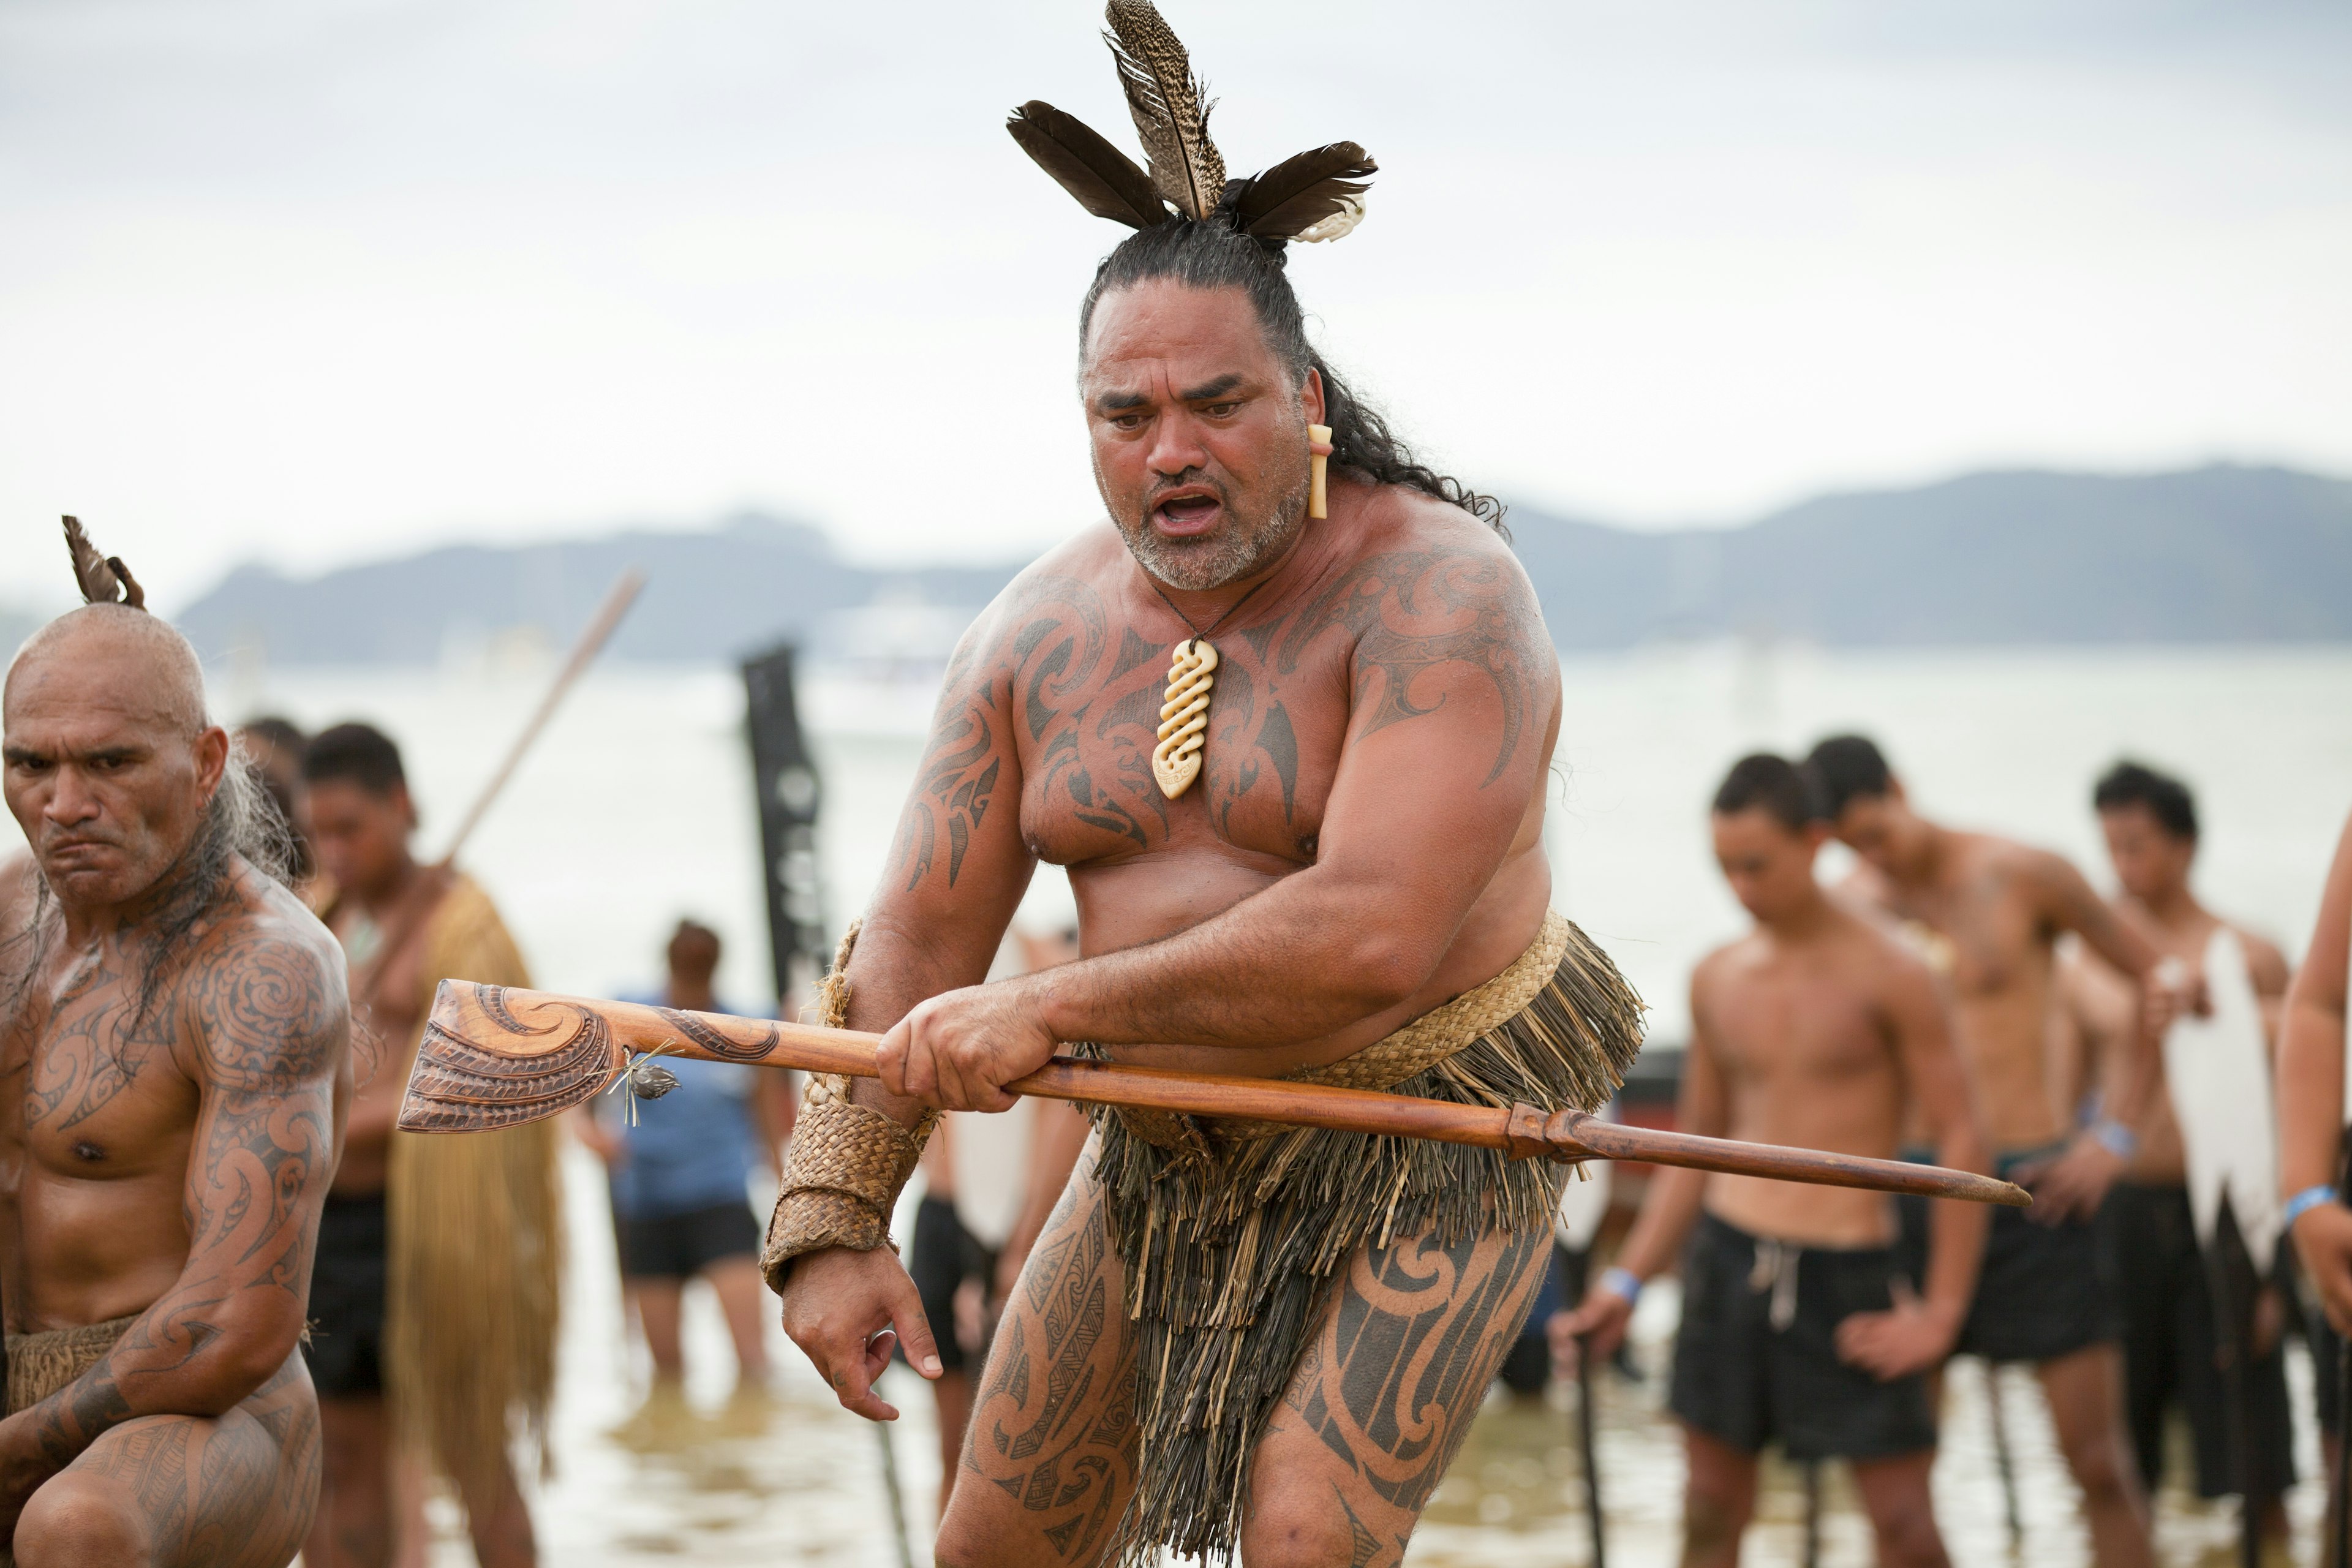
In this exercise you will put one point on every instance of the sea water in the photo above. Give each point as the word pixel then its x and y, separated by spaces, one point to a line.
pixel 636 808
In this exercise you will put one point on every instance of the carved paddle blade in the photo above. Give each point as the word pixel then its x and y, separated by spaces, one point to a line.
pixel 493 1058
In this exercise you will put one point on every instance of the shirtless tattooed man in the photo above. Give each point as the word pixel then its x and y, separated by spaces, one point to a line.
pixel 1802 1322
pixel 1227 1337
pixel 173 1076
pixel 1992 912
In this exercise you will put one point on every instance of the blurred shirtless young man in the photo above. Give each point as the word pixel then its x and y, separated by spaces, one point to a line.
pixel 1304 1323
pixel 173 1076
pixel 2162 1274
pixel 1801 1323
pixel 1994 909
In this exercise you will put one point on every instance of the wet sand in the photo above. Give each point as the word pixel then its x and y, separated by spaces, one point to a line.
pixel 788 1478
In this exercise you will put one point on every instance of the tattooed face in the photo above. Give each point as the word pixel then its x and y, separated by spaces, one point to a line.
pixel 1199 432
pixel 103 770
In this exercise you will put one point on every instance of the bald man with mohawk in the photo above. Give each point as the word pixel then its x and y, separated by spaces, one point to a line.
pixel 175 1071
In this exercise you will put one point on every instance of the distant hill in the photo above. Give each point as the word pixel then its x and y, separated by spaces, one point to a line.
pixel 708 595
pixel 2215 554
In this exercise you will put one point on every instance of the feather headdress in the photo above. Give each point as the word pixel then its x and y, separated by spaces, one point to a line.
pixel 104 579
pixel 1316 196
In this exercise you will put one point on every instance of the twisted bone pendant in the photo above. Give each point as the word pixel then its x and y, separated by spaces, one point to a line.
pixel 1185 717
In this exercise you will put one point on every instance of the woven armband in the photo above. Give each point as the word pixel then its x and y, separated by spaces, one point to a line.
pixel 842 1178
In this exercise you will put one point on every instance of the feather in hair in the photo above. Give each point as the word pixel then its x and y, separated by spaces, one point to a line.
pixel 1104 179
pixel 103 579
pixel 1170 104
pixel 1321 189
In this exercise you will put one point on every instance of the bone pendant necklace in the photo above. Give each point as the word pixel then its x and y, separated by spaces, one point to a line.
pixel 1184 708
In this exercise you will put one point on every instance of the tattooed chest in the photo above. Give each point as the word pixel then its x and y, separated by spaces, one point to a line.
pixel 1271 750
pixel 94 1091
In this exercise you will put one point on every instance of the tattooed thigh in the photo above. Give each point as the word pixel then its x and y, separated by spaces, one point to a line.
pixel 1049 1458
pixel 1408 1343
pixel 235 1490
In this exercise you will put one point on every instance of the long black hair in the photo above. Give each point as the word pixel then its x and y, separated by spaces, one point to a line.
pixel 1212 255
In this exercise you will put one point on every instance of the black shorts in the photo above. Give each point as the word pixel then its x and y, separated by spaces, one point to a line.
pixel 345 1344
pixel 681 1245
pixel 2042 1290
pixel 2165 1301
pixel 941 1257
pixel 1748 1380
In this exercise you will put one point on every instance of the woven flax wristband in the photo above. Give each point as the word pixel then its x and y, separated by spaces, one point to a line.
pixel 842 1178
pixel 846 1164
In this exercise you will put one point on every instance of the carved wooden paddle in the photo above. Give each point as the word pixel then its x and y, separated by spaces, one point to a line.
pixel 494 1056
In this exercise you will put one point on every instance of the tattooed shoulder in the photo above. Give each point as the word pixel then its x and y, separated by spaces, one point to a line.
pixel 268 1003
pixel 1443 600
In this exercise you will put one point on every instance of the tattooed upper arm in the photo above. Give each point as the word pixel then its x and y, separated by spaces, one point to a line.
pixel 959 864
pixel 273 1030
pixel 969 778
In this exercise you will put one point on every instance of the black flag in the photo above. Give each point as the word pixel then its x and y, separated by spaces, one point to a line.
pixel 790 793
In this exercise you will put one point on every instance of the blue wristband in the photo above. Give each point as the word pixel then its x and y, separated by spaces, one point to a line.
pixel 1622 1283
pixel 2303 1202
pixel 2120 1141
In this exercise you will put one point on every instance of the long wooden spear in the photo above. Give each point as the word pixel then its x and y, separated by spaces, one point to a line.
pixel 495 1056
pixel 405 926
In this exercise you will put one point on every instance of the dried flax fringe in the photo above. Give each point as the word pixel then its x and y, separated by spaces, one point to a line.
pixel 1229 1253
pixel 474 1294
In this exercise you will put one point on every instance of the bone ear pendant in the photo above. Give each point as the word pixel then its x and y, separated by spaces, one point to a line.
pixel 1185 717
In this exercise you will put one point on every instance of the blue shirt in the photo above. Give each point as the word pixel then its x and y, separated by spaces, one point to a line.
pixel 692 1149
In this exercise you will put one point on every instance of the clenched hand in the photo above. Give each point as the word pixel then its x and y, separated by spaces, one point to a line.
pixel 959 1049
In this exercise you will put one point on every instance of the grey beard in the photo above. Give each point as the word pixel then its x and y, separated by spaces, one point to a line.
pixel 1233 555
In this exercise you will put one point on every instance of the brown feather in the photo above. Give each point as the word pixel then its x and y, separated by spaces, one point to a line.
pixel 1301 191
pixel 1104 179
pixel 1170 104
pixel 103 579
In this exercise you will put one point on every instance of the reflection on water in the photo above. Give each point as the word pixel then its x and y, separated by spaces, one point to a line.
pixel 706 1477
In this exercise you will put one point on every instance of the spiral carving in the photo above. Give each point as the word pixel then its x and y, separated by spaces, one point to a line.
pixel 479 1066
pixel 1185 717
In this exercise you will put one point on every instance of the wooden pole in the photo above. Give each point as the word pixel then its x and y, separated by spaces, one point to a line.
pixel 2234 1336
pixel 895 1495
pixel 2004 1459
pixel 494 1056
pixel 403 927
pixel 623 594
pixel 1812 1556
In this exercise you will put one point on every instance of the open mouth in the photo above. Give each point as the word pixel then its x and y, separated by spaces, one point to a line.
pixel 1186 512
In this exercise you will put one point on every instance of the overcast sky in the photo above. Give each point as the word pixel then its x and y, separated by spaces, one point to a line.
pixel 319 280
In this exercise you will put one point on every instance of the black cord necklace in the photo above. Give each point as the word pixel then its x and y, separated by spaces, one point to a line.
pixel 1198 633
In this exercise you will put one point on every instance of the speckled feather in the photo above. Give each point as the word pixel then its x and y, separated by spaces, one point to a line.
pixel 1170 104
